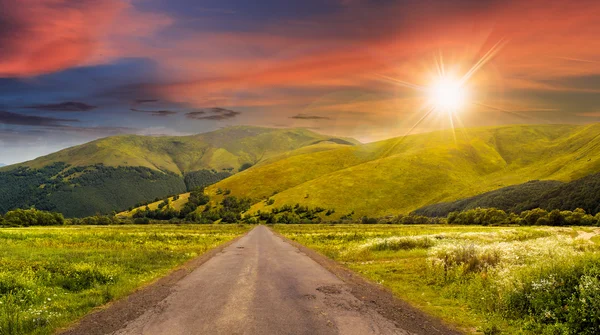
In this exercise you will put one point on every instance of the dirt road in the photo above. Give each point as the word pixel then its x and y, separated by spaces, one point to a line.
pixel 261 285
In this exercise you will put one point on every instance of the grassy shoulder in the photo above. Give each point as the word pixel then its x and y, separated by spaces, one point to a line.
pixel 491 280
pixel 53 276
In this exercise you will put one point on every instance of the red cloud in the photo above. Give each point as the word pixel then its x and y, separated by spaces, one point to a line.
pixel 42 36
pixel 546 40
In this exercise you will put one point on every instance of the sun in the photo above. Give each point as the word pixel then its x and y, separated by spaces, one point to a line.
pixel 447 94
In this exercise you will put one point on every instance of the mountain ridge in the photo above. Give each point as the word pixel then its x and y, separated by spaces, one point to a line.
pixel 226 148
pixel 114 173
pixel 397 176
pixel 297 166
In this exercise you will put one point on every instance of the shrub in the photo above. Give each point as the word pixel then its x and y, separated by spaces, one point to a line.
pixel 368 220
pixel 32 217
pixel 245 166
pixel 466 259
pixel 400 243
pixel 141 221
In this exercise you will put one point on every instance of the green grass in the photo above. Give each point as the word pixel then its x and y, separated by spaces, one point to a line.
pixel 475 278
pixel 51 276
pixel 399 175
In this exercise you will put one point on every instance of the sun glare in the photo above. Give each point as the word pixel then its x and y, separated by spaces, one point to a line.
pixel 447 94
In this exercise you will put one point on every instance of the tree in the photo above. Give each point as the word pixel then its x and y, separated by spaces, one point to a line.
pixel 32 217
pixel 245 166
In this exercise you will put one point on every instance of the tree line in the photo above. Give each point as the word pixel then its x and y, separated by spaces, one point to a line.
pixel 498 217
pixel 231 209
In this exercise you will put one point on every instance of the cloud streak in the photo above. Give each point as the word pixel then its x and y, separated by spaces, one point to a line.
pixel 309 117
pixel 154 113
pixel 69 106
pixel 215 114
pixel 29 120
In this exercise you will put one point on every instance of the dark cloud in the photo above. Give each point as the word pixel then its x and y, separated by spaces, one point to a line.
pixel 143 101
pixel 69 106
pixel 309 117
pixel 215 113
pixel 28 120
pixel 154 113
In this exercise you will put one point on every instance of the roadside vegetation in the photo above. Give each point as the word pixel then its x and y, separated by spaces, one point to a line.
pixel 50 276
pixel 490 280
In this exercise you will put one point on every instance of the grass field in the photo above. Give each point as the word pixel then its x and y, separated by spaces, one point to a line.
pixel 52 276
pixel 491 280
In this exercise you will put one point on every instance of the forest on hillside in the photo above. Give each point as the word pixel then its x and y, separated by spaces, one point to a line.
pixel 582 193
pixel 97 189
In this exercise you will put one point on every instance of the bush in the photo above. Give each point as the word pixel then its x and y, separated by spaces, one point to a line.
pixel 401 243
pixel 141 221
pixel 32 217
pixel 466 259
pixel 245 166
pixel 563 298
pixel 537 216
pixel 368 220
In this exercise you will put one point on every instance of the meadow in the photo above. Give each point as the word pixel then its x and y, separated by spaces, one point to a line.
pixel 51 276
pixel 490 280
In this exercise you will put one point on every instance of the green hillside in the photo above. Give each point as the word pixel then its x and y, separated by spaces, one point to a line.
pixel 224 149
pixel 118 172
pixel 402 174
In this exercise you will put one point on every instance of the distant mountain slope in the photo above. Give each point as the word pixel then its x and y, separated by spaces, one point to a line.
pixel 117 172
pixel 227 148
pixel 402 174
pixel 82 191
pixel 581 193
pixel 1 164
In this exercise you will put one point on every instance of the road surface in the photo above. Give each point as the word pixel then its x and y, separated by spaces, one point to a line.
pixel 260 285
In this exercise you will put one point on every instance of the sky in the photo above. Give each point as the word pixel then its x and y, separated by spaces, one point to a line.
pixel 73 71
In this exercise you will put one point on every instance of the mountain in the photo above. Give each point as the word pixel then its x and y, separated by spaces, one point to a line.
pixel 403 174
pixel 1 164
pixel 224 149
pixel 296 166
pixel 118 172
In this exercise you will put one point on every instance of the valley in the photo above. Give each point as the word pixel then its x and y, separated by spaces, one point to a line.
pixel 442 229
